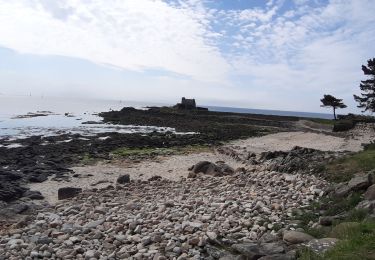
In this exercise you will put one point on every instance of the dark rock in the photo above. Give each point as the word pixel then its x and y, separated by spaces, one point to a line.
pixel 272 248
pixel 225 169
pixel 39 177
pixel 192 174
pixel 68 192
pixel 10 188
pixel 18 208
pixel 34 195
pixel 10 191
pixel 361 182
pixel 249 250
pixel 299 159
pixel 155 178
pixel 342 190
pixel 123 179
pixel 296 237
pixel 368 205
pixel 212 169
pixel 9 175
pixel 268 237
pixel 201 167
pixel 220 253
pixel 370 193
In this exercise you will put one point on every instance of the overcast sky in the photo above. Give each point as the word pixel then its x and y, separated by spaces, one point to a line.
pixel 276 54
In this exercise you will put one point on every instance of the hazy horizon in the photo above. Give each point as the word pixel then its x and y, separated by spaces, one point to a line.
pixel 275 54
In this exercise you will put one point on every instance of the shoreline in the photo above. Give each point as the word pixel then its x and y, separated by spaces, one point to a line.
pixel 166 205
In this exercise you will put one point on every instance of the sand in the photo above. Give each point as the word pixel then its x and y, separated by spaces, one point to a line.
pixel 172 167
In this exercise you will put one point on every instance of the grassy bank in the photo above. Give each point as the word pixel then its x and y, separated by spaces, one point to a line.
pixel 354 228
pixel 343 169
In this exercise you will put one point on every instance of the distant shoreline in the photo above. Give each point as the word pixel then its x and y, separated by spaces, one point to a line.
pixel 116 104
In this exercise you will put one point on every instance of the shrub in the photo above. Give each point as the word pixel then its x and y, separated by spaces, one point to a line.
pixel 343 125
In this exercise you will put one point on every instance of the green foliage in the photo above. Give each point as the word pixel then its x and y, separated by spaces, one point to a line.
pixel 358 242
pixel 343 169
pixel 317 232
pixel 87 159
pixel 308 254
pixel 367 98
pixel 343 125
pixel 357 215
pixel 340 205
pixel 331 101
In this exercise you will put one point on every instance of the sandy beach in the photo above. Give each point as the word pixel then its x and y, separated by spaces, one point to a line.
pixel 175 167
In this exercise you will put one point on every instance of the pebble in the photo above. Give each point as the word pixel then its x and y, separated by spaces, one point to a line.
pixel 143 221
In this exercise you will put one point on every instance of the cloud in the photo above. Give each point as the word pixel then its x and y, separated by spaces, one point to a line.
pixel 283 55
pixel 128 34
pixel 306 52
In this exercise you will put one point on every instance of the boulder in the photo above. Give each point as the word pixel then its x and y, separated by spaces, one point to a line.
pixel 342 190
pixel 296 237
pixel 361 182
pixel 68 192
pixel 368 205
pixel 210 168
pixel 34 195
pixel 10 188
pixel 206 167
pixel 38 177
pixel 249 250
pixel 370 193
pixel 123 179
pixel 10 191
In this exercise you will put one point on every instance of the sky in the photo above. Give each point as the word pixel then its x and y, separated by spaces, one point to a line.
pixel 266 54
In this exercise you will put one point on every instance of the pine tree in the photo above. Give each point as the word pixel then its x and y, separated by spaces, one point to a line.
pixel 367 98
pixel 331 101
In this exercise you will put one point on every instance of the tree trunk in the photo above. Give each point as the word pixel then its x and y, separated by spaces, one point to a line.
pixel 334 113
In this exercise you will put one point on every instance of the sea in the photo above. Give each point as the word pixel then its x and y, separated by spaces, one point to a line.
pixel 67 115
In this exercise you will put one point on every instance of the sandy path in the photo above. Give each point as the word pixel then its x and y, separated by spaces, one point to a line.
pixel 351 141
pixel 287 140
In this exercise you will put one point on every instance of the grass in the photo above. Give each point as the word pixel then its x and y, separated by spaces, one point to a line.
pixel 357 241
pixel 134 152
pixel 354 228
pixel 87 159
pixel 331 206
pixel 343 169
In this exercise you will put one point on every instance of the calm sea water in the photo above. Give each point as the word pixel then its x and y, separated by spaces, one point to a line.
pixel 270 112
pixel 79 110
pixel 82 110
